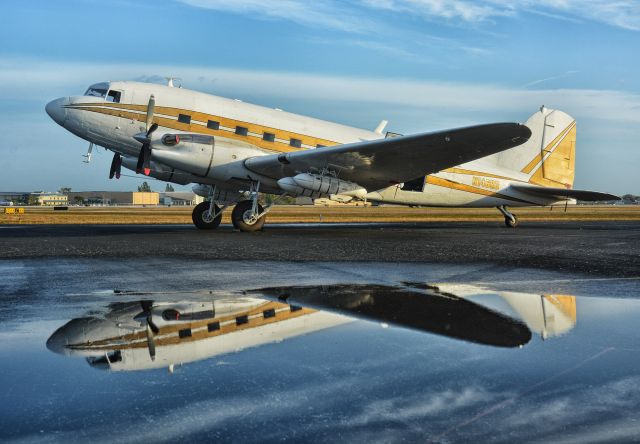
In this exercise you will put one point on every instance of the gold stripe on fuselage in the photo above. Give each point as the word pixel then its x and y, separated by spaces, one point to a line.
pixel 168 335
pixel 138 112
pixel 446 183
pixel 477 173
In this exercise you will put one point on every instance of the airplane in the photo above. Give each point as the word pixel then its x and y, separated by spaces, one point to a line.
pixel 144 335
pixel 233 150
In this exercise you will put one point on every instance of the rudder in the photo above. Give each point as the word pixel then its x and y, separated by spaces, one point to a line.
pixel 548 157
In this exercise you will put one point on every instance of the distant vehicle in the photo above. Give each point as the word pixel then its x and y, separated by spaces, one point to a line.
pixel 6 203
pixel 232 150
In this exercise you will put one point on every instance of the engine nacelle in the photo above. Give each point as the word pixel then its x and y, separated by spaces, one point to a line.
pixel 188 152
pixel 162 172
pixel 315 185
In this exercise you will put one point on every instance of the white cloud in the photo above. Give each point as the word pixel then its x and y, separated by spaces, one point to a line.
pixel 43 80
pixel 336 15
pixel 319 13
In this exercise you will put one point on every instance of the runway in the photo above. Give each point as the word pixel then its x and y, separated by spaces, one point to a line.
pixel 591 248
pixel 441 332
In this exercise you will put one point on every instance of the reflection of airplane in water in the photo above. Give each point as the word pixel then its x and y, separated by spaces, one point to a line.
pixel 145 334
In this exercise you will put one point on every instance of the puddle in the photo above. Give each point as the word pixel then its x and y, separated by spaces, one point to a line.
pixel 448 358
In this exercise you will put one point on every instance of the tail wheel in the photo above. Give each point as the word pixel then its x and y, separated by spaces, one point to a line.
pixel 244 220
pixel 203 219
pixel 511 223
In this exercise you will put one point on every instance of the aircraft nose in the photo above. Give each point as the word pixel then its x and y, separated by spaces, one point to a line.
pixel 57 111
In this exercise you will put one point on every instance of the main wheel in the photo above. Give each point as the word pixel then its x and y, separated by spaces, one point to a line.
pixel 511 223
pixel 242 218
pixel 203 219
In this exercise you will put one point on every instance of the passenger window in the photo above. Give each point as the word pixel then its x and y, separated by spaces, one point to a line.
pixel 269 137
pixel 241 130
pixel 295 142
pixel 114 96
pixel 184 118
pixel 212 124
pixel 270 313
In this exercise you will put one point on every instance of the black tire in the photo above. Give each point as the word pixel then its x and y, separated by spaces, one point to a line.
pixel 235 213
pixel 200 219
pixel 511 223
pixel 237 217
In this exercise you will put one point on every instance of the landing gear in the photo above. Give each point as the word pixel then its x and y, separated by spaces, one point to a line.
pixel 206 216
pixel 247 217
pixel 510 219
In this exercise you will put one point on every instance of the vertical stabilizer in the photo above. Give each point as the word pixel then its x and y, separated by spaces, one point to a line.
pixel 548 157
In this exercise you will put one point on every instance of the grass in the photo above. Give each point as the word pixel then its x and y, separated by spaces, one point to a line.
pixel 293 214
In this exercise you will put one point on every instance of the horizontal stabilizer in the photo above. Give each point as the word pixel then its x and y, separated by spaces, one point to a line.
pixel 564 193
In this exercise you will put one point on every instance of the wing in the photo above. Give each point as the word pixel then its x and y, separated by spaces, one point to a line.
pixel 377 164
pixel 431 312
pixel 563 193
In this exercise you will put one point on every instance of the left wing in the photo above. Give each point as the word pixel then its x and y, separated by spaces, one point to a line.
pixel 563 193
pixel 377 164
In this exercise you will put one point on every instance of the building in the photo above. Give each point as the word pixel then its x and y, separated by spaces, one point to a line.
pixel 48 199
pixel 113 198
pixel 179 198
pixel 14 197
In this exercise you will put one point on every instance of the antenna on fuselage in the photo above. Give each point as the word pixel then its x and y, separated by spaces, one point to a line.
pixel 170 81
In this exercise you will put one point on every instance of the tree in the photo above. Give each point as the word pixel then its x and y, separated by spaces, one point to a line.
pixel 144 188
pixel 168 188
pixel 64 190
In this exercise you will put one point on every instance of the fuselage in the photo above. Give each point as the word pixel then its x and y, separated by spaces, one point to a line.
pixel 111 114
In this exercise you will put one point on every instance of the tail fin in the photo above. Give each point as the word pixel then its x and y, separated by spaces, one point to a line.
pixel 548 157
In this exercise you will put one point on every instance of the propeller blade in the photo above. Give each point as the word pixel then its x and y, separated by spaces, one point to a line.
pixel 114 165
pixel 152 129
pixel 144 159
pixel 151 343
pixel 150 108
pixel 119 167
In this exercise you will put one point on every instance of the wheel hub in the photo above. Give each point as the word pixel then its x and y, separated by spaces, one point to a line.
pixel 249 218
pixel 207 217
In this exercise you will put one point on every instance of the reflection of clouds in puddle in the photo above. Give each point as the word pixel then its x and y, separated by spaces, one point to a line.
pixel 421 406
pixel 580 413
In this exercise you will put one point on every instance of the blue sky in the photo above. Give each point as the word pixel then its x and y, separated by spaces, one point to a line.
pixel 422 64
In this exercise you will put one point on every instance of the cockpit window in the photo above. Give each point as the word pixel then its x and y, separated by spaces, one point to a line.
pixel 97 90
pixel 114 96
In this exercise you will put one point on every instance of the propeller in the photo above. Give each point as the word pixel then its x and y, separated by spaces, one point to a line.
pixel 116 166
pixel 144 158
pixel 151 328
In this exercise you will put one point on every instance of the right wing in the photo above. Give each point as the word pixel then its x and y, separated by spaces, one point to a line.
pixel 377 164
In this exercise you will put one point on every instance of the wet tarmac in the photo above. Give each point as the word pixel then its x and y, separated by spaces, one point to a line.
pixel 115 334
pixel 595 248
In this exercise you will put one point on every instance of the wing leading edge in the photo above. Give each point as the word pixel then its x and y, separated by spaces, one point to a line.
pixel 377 164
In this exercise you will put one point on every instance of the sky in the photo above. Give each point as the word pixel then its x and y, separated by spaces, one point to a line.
pixel 424 65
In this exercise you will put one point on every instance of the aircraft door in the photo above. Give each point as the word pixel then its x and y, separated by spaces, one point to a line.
pixel 416 184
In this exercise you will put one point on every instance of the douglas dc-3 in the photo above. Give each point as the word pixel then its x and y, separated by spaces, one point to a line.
pixel 233 150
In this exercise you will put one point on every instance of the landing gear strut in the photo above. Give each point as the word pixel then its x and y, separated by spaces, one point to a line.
pixel 510 219
pixel 248 215
pixel 207 215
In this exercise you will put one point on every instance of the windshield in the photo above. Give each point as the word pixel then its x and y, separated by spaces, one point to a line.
pixel 97 90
